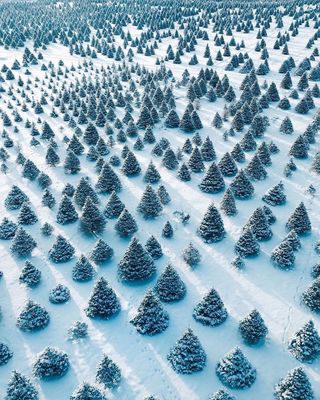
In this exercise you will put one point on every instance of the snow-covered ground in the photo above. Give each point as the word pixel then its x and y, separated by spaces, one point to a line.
pixel 142 359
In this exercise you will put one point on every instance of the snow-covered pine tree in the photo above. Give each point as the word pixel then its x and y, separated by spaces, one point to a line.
pixel 305 343
pixel 211 310
pixel 235 371
pixel 136 263
pixel 20 388
pixel 295 386
pixel 108 373
pixel 126 224
pixel 153 247
pixel 51 363
pixel 33 317
pixel 103 302
pixel 241 186
pixel 252 328
pixel 151 318
pixel 187 355
pixel 149 205
pixel 169 286
pixel 247 244
pixel 299 220
pixel 61 250
pixel 83 271
pixel 211 228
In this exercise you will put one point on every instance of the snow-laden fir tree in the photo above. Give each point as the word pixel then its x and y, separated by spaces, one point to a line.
pixel 305 343
pixel 59 294
pixel 299 149
pixel 126 224
pixel 153 247
pixel 151 318
pixel 299 220
pixel 136 263
pixel 78 330
pixel 311 296
pixel 103 302
pixel 149 205
pixel 85 391
pixel 195 162
pixel 83 191
pixel 61 250
pixel 30 275
pixel 247 244
pixel 51 363
pixel 152 174
pixel 83 271
pixel 114 206
pixel 211 310
pixel 108 373
pixel 235 371
pixel 26 215
pixel 108 180
pixel 241 186
pixel 227 165
pixel 213 181
pixel 211 228
pixel 252 328
pixel 184 173
pixel 169 159
pixel 33 317
pixel 207 150
pixel 163 195
pixel 7 229
pixel 283 255
pixel 169 286
pixel 71 163
pixel 255 169
pixel 22 243
pixel 101 252
pixel 20 388
pixel 131 166
pixel 67 213
pixel 259 225
pixel 191 255
pixel 228 203
pixel 222 395
pixel 295 386
pixel 48 199
pixel 187 356
pixel 5 354
pixel 92 219
pixel 275 196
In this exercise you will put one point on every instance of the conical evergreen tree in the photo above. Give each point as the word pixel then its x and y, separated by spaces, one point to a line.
pixel 305 343
pixel 126 224
pixel 114 206
pixel 131 165
pixel 169 287
pixel 294 386
pixel 61 251
pixel 241 186
pixel 92 220
pixel 22 243
pixel 259 225
pixel 30 275
pixel 275 196
pixel 67 212
pixel 108 373
pixel 85 391
pixel 211 310
pixel 151 318
pixel 299 220
pixel 252 328
pixel 187 355
pixel 152 175
pixel 211 228
pixel 191 255
pixel 228 204
pixel 311 296
pixel 136 264
pixel 153 247
pixel 83 271
pixel 247 244
pixel 227 165
pixel 283 256
pixel 83 191
pixel 235 371
pixel 20 388
pixel 26 215
pixel 101 252
pixel 103 302
pixel 150 205
pixel 15 198
pixel 108 180
pixel 32 317
pixel 255 169
pixel 213 181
